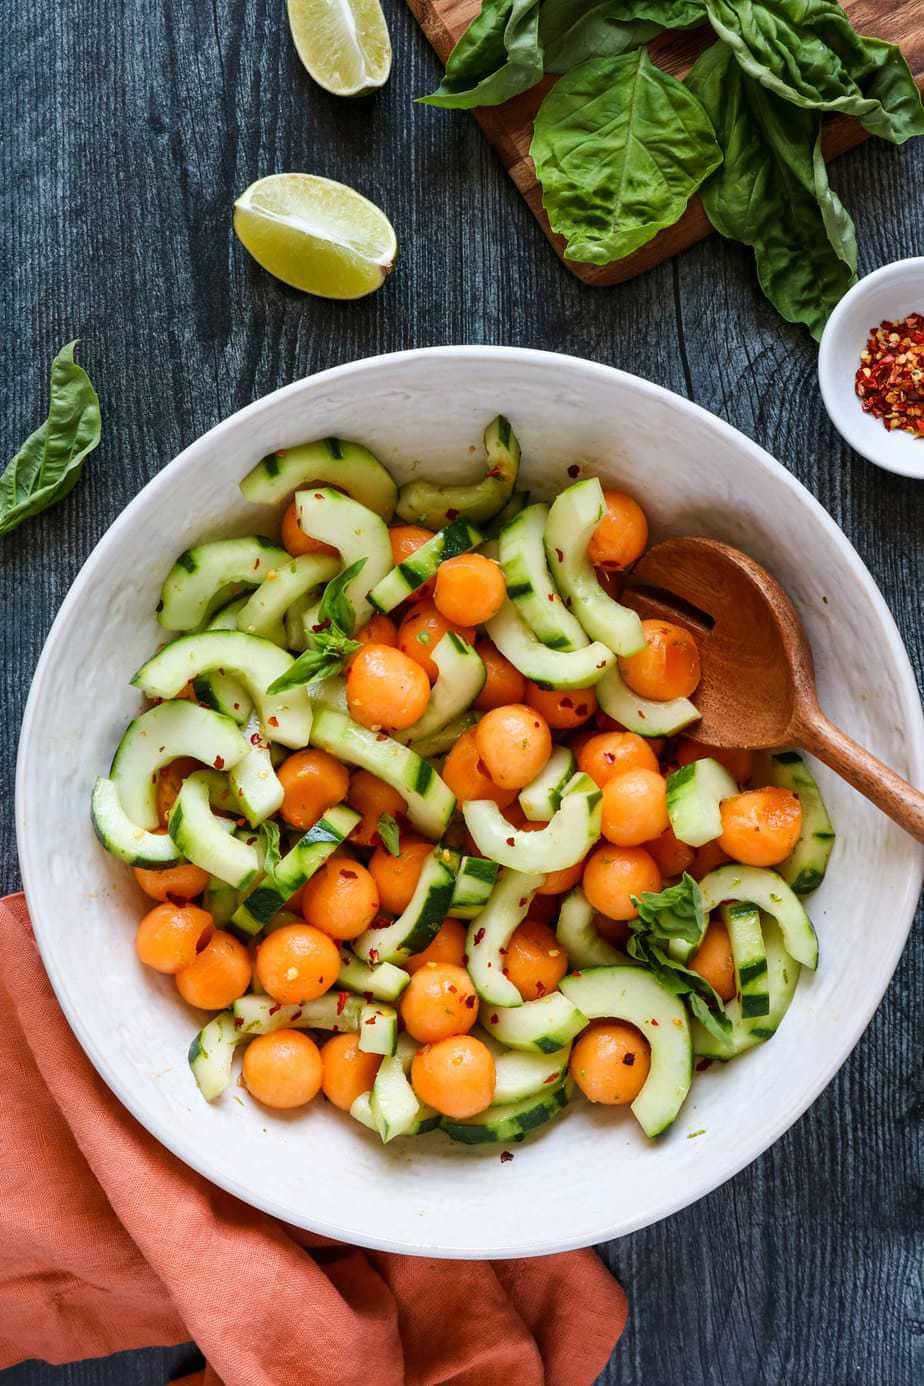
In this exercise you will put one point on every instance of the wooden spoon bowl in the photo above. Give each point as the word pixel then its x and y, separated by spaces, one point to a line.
pixel 758 679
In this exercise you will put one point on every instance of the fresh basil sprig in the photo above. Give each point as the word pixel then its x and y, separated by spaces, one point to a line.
pixel 49 463
pixel 497 57
pixel 676 913
pixel 772 191
pixel 331 641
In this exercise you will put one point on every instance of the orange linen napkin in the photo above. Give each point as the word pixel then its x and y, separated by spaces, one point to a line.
pixel 108 1242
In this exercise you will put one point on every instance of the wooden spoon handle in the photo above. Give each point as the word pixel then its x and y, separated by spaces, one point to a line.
pixel 883 787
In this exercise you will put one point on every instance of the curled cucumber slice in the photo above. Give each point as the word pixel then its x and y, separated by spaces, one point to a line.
pixel 433 505
pixel 328 461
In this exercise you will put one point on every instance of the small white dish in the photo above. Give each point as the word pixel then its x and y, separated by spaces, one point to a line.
pixel 424 411
pixel 889 294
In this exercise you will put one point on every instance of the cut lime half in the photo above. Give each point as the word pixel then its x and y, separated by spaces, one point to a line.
pixel 317 235
pixel 344 44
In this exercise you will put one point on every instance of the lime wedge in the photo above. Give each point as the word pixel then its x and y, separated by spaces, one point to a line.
pixel 317 235
pixel 344 44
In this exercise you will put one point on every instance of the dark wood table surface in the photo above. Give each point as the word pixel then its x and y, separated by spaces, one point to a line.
pixel 128 129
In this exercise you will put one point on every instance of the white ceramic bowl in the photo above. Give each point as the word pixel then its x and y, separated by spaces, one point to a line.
pixel 889 294
pixel 426 410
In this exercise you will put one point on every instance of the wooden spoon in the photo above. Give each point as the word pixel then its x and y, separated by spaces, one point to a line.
pixel 758 680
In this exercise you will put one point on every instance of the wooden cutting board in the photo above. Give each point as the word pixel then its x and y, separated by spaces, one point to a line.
pixel 509 127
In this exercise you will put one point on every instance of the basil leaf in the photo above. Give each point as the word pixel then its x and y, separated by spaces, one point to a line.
pixel 620 147
pixel 269 836
pixel 49 463
pixel 808 53
pixel 336 607
pixel 572 31
pixel 387 828
pixel 497 57
pixel 772 192
pixel 676 912
pixel 311 667
pixel 678 979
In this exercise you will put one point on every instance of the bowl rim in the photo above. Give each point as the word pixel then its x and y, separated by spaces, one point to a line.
pixel 30 855
pixel 890 459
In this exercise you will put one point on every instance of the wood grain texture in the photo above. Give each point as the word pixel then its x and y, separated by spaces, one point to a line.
pixel 129 128
pixel 509 127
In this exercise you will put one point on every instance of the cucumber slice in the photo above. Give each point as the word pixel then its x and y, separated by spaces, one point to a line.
pixel 520 1075
pixel 542 797
pixel 254 783
pixel 430 802
pixel 576 933
pixel 164 734
pixel 517 502
pixel 642 715
pixel 490 932
pixel 530 585
pixel 550 668
pixel 439 742
pixel 256 663
pixel 357 532
pixel 204 839
pixel 262 613
pixel 330 693
pixel 542 1026
pixel 633 994
pixel 694 793
pixel 421 920
pixel 337 1011
pixel 507 1122
pixel 566 839
pixel 573 518
pixel 223 692
pixel 200 574
pixel 383 983
pixel 333 461
pixel 296 867
pixel 757 885
pixel 472 887
pixel 435 505
pixel 398 584
pixel 378 1028
pixel 221 900
pixel 296 633
pixel 122 837
pixel 804 869
pixel 782 980
pixel 212 1053
pixel 750 957
pixel 461 679
pixel 426 1119
pixel 393 1102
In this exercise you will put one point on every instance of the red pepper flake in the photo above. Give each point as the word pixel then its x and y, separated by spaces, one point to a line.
pixel 452 514
pixel 273 721
pixel 506 1156
pixel 628 1060
pixel 297 1014
pixel 654 1022
pixel 368 997
pixel 452 988
pixel 465 960
pixel 479 935
pixel 494 1018
pixel 522 906
pixel 318 495
pixel 237 708
pixel 256 565
pixel 275 1008
pixel 381 737
pixel 890 379
pixel 559 554
pixel 347 874
pixel 567 702
pixel 371 1021
pixel 219 762
pixel 551 596
pixel 602 664
pixel 552 1078
pixel 703 1064
pixel 574 469
pixel 540 988
pixel 238 1022
pixel 609 757
pixel 381 921
pixel 341 1001
pixel 373 955
pixel 494 472
pixel 470 1002
pixel 509 841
